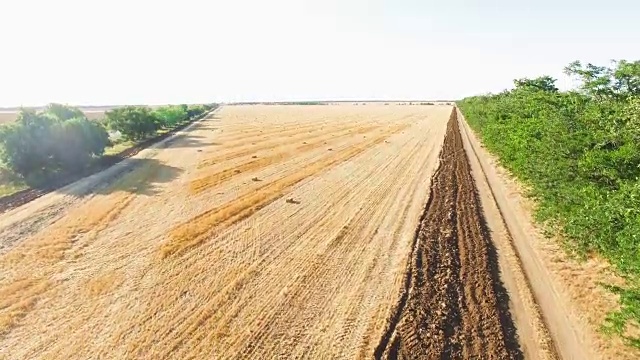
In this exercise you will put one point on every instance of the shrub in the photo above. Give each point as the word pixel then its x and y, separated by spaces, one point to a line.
pixel 77 141
pixel 42 147
pixel 170 116
pixel 580 152
pixel 194 111
pixel 133 122
pixel 63 112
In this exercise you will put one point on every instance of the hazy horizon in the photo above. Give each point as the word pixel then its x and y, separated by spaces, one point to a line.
pixel 119 52
pixel 100 107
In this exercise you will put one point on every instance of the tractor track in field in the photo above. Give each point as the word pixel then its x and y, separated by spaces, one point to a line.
pixel 453 304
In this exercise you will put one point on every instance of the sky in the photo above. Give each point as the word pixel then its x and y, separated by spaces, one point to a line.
pixel 157 52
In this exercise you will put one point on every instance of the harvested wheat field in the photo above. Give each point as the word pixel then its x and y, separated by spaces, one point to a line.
pixel 275 232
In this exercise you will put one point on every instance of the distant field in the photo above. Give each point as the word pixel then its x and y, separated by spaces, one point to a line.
pixel 11 116
pixel 6 117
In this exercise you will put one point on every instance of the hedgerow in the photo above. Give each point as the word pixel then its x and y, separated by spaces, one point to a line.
pixel 580 153
pixel 42 148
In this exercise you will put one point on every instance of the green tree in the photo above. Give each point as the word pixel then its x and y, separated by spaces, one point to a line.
pixel 77 142
pixel 621 81
pixel 627 78
pixel 196 110
pixel 64 112
pixel 133 122
pixel 170 116
pixel 40 147
pixel 543 83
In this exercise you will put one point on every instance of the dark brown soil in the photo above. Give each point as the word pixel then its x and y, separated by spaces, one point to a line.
pixel 454 305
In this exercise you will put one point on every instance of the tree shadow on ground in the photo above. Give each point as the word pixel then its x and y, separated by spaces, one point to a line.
pixel 207 124
pixel 188 141
pixel 138 176
pixel 145 177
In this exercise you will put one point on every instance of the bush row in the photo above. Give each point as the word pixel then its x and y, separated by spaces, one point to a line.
pixel 580 153
pixel 139 122
pixel 47 146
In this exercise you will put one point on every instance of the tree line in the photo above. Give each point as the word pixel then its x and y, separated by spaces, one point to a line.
pixel 579 151
pixel 42 147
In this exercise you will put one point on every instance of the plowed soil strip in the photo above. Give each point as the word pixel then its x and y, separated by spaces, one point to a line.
pixel 454 305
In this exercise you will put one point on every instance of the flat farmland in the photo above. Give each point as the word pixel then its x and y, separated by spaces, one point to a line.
pixel 289 231
pixel 262 231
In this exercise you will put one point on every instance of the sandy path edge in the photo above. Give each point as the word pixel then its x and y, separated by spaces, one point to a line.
pixel 571 339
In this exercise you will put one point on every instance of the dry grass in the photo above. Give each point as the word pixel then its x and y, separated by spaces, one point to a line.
pixel 271 143
pixel 104 284
pixel 304 262
pixel 45 251
pixel 209 180
pixel 17 298
pixel 192 232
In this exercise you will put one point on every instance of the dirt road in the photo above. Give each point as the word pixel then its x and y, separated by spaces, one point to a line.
pixel 264 231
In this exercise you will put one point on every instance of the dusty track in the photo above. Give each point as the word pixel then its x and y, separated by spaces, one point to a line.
pixel 454 305
pixel 146 266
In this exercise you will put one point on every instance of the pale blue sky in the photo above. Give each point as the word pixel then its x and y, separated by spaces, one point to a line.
pixel 127 51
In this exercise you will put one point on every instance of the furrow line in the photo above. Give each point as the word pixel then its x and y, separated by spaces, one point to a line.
pixel 191 233
pixel 226 294
pixel 452 306
pixel 211 180
pixel 250 146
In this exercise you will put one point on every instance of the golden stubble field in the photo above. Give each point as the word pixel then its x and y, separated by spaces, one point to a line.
pixel 264 231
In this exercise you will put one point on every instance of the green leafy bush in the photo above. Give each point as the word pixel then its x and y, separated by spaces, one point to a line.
pixel 194 111
pixel 133 122
pixel 42 147
pixel 580 152
pixel 172 115
pixel 63 112
pixel 77 141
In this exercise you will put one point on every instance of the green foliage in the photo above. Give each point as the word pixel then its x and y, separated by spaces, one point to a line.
pixel 133 122
pixel 170 116
pixel 544 83
pixel 139 122
pixel 621 81
pixel 63 112
pixel 77 141
pixel 580 152
pixel 194 111
pixel 42 147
